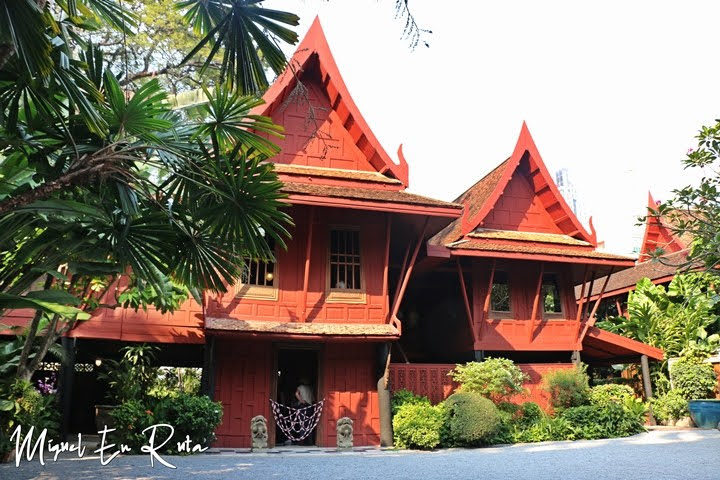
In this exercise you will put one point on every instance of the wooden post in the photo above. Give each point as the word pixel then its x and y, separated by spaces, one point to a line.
pixel 575 358
pixel 536 302
pixel 411 265
pixel 647 385
pixel 618 307
pixel 402 272
pixel 578 314
pixel 67 379
pixel 468 311
pixel 384 394
pixel 207 379
pixel 306 278
pixel 386 265
pixel 488 294
pixel 591 319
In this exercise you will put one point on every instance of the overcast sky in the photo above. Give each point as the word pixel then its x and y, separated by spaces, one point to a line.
pixel 613 91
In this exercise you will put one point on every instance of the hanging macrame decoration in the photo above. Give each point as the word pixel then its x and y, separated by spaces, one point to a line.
pixel 297 423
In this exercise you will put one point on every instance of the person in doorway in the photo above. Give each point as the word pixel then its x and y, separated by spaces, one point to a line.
pixel 304 394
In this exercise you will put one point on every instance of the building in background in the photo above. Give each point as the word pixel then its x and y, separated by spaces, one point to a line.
pixel 569 193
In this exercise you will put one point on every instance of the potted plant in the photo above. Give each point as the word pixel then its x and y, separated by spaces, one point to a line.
pixel 694 377
pixel 130 378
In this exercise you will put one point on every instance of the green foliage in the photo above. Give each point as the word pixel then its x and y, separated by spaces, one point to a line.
pixel 130 419
pixel 694 379
pixel 24 405
pixel 131 378
pixel 545 429
pixel 406 397
pixel 190 415
pixel 172 381
pixel 670 406
pixel 418 425
pixel 495 378
pixel 470 420
pixel 567 387
pixel 608 420
pixel 611 393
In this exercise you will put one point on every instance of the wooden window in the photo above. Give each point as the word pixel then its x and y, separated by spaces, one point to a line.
pixel 259 278
pixel 550 296
pixel 500 294
pixel 345 278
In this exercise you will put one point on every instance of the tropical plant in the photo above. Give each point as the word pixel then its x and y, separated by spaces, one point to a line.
pixel 406 397
pixel 567 387
pixel 132 377
pixel 670 406
pixel 495 378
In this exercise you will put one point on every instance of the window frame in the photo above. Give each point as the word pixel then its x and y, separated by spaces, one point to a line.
pixel 344 295
pixel 502 314
pixel 553 315
pixel 261 292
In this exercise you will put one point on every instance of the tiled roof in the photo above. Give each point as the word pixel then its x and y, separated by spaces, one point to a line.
pixel 390 196
pixel 300 328
pixel 358 175
pixel 536 249
pixel 651 269
pixel 474 197
pixel 527 236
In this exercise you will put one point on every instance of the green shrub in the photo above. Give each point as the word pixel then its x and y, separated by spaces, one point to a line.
pixel 130 419
pixel 405 397
pixel 418 425
pixel 694 379
pixel 567 387
pixel 545 429
pixel 470 420
pixel 495 378
pixel 190 415
pixel 24 405
pixel 530 414
pixel 611 393
pixel 670 406
pixel 605 421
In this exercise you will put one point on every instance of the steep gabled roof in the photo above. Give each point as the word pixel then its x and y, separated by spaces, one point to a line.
pixel 482 197
pixel 659 234
pixel 314 60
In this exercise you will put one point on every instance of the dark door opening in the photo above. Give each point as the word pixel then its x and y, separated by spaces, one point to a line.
pixel 297 376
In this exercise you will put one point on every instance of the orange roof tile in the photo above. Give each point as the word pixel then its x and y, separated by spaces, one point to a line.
pixel 527 237
pixel 338 173
pixel 517 247
pixel 300 328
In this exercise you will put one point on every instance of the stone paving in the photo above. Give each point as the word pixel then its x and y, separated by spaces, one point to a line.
pixel 657 455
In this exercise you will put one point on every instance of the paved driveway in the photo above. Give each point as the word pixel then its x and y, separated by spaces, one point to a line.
pixel 687 454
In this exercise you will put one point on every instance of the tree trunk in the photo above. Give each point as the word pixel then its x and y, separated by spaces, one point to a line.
pixel 22 370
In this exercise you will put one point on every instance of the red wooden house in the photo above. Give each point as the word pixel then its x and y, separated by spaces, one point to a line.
pixel 500 281
pixel 492 274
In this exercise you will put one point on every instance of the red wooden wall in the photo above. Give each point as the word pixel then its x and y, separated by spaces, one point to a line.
pixel 290 272
pixel 512 332
pixel 432 380
pixel 244 385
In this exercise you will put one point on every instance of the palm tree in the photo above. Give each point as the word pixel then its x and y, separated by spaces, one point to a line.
pixel 97 181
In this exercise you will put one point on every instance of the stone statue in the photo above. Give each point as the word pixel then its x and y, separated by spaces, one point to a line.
pixel 344 433
pixel 259 432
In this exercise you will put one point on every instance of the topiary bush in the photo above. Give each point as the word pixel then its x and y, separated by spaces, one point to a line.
pixel 405 397
pixel 470 420
pixel 670 407
pixel 606 420
pixel 693 379
pixel 418 425
pixel 495 378
pixel 567 387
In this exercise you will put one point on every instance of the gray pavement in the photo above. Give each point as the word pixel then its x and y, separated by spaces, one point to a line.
pixel 657 455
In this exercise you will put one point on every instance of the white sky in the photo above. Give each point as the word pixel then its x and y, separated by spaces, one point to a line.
pixel 613 91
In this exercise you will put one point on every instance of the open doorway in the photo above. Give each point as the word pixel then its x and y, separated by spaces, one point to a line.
pixel 296 367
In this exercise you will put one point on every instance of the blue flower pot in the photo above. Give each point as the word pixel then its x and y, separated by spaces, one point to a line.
pixel 705 413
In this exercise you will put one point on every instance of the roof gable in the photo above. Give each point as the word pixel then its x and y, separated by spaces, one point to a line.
pixel 323 126
pixel 658 234
pixel 520 194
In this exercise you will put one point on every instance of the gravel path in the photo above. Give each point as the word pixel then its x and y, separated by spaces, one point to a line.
pixel 663 454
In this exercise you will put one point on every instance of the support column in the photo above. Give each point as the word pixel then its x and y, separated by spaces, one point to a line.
pixel 207 381
pixel 647 385
pixel 575 358
pixel 384 394
pixel 479 355
pixel 66 381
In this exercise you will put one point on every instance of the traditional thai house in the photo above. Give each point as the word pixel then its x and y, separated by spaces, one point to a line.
pixel 492 274
pixel 499 281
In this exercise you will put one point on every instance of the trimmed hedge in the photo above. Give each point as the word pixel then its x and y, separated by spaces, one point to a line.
pixel 418 425
pixel 695 380
pixel 470 420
